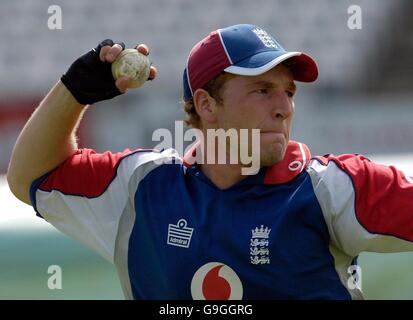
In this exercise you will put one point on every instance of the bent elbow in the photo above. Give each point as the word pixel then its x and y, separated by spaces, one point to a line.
pixel 19 189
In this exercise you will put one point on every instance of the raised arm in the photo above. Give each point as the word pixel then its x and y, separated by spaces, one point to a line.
pixel 48 138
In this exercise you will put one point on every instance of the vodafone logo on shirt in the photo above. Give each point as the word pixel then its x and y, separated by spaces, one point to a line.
pixel 216 281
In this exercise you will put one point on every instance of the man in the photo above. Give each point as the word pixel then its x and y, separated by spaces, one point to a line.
pixel 206 231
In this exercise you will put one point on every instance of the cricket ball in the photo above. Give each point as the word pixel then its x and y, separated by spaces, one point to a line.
pixel 133 64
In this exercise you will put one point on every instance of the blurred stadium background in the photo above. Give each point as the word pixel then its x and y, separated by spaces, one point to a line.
pixel 362 103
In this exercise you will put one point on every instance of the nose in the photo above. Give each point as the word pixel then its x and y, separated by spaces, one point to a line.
pixel 282 105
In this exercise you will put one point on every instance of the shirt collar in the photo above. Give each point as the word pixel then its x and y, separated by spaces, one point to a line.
pixel 296 158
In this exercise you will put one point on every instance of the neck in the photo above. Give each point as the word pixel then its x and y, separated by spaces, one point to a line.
pixel 223 175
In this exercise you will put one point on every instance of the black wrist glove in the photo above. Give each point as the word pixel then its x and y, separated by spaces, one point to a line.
pixel 89 79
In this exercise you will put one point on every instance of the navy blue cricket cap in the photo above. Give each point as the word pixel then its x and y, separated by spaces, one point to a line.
pixel 242 49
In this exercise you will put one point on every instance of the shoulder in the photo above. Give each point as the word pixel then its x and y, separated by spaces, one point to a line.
pixel 359 169
pixel 353 165
pixel 89 173
pixel 350 163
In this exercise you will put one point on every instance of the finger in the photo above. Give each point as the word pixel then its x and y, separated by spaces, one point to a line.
pixel 122 83
pixel 152 73
pixel 103 52
pixel 143 48
pixel 113 52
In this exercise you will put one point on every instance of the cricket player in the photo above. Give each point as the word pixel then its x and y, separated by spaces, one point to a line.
pixel 179 228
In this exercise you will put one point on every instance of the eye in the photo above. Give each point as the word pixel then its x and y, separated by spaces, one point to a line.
pixel 262 91
pixel 290 94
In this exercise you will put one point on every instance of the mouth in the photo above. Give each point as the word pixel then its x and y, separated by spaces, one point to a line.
pixel 273 133
pixel 273 136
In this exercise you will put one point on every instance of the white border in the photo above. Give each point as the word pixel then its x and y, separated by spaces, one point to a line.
pixel 223 45
pixel 260 70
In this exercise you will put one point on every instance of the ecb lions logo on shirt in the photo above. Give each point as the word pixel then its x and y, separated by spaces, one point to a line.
pixel 259 251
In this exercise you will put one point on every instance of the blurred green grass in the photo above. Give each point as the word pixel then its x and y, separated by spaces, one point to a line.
pixel 26 258
pixel 387 275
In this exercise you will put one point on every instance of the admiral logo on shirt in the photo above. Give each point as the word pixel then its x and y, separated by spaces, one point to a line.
pixel 179 235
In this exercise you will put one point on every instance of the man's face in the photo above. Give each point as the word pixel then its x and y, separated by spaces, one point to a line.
pixel 262 102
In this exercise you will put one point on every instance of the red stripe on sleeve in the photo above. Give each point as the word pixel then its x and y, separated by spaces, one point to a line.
pixel 86 173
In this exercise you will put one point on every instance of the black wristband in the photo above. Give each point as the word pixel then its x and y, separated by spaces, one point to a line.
pixel 89 79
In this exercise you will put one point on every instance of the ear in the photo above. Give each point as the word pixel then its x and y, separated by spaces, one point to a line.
pixel 205 106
